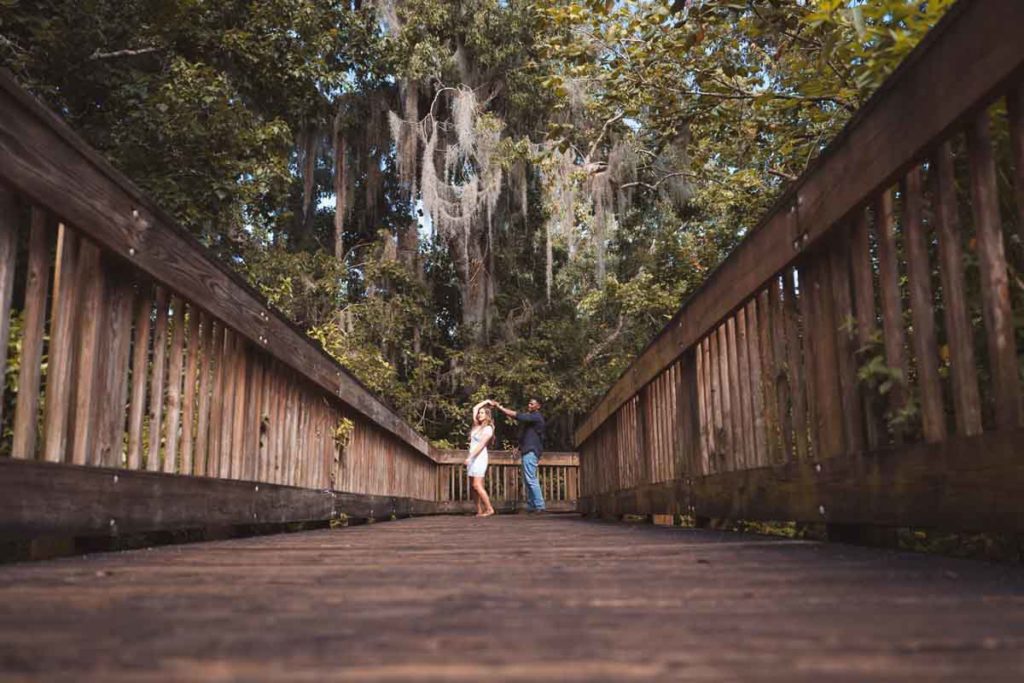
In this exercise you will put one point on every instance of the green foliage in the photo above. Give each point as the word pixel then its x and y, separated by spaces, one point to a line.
pixel 209 107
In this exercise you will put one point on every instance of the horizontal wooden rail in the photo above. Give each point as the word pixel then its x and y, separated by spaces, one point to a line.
pixel 957 69
pixel 949 486
pixel 447 456
pixel 558 474
pixel 39 499
pixel 855 359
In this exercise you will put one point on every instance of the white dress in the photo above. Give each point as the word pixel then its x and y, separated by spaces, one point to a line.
pixel 477 466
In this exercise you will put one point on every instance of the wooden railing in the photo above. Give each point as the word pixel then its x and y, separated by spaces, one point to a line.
pixel 147 386
pixel 855 361
pixel 558 474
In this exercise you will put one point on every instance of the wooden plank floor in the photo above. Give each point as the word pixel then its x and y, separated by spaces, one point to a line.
pixel 512 598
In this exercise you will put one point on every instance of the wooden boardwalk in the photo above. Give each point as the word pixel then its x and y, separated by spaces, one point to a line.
pixel 556 597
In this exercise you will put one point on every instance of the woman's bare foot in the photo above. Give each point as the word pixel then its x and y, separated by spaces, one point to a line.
pixel 486 514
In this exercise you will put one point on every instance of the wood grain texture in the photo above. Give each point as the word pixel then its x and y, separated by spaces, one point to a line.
pixel 949 73
pixel 37 287
pixel 796 370
pixel 91 351
pixel 112 406
pixel 922 306
pixel 963 483
pixel 61 350
pixel 893 327
pixel 140 374
pixel 861 262
pixel 405 600
pixel 995 287
pixel 157 381
pixel 39 499
pixel 188 412
pixel 10 228
pixel 959 335
pixel 846 344
pixel 175 364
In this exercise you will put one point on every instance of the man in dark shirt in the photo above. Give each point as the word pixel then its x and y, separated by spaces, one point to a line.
pixel 531 447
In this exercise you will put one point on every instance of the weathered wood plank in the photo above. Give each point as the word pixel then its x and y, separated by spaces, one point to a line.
pixel 831 432
pixel 61 351
pixel 10 218
pixel 846 350
pixel 746 390
pixel 188 419
pixel 40 499
pixel 92 350
pixel 738 458
pixel 113 401
pixel 158 373
pixel 238 418
pixel 140 372
pixel 963 483
pixel 960 337
pixel 781 372
pixel 37 285
pixel 796 375
pixel 893 329
pixel 767 379
pixel 757 385
pixel 174 380
pixel 995 288
pixel 926 346
pixel 867 318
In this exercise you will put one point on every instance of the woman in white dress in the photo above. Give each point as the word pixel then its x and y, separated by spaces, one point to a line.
pixel 476 464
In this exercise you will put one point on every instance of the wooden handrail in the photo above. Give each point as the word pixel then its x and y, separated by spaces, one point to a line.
pixel 790 385
pixel 41 157
pixel 958 69
pixel 444 456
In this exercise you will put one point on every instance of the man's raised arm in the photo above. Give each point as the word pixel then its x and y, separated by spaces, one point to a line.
pixel 508 413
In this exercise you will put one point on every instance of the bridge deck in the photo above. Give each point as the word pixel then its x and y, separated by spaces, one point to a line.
pixel 511 597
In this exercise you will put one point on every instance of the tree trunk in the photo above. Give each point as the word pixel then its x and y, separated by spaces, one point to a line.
pixel 340 187
pixel 307 148
pixel 470 266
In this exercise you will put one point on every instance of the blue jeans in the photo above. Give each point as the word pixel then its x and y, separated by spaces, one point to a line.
pixel 534 497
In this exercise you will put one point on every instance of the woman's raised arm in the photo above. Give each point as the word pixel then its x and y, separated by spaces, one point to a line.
pixel 482 404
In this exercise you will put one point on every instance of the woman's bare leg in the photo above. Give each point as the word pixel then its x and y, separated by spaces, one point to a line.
pixel 483 500
pixel 474 496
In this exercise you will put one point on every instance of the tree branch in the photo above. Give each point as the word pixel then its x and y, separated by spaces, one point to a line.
pixel 117 54
pixel 597 350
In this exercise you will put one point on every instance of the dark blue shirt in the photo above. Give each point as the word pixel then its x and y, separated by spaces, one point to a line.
pixel 531 433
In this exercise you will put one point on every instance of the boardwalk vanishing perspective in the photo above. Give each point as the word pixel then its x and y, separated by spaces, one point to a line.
pixel 517 598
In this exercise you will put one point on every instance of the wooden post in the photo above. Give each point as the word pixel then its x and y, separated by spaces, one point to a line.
pixel 926 347
pixel 995 288
pixel 140 371
pixel 9 218
pixel 966 400
pixel 61 356
pixel 156 386
pixel 892 308
pixel 37 283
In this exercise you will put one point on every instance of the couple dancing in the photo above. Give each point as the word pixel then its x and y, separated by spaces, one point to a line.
pixel 531 444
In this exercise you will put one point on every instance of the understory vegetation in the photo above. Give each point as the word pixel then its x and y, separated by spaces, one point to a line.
pixel 468 198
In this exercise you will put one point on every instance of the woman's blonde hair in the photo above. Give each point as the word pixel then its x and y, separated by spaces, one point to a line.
pixel 488 419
